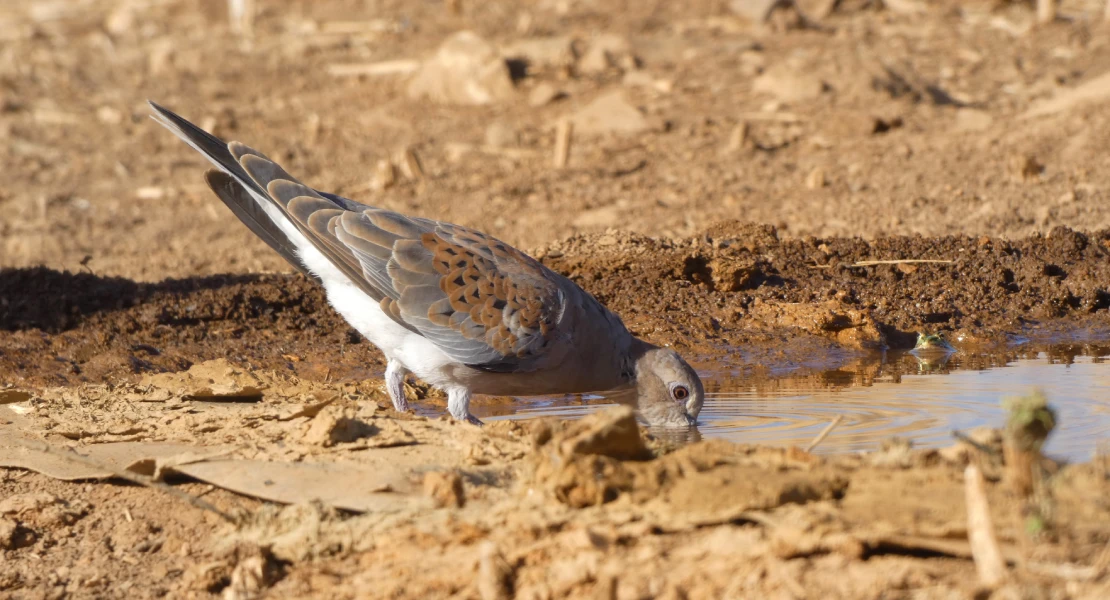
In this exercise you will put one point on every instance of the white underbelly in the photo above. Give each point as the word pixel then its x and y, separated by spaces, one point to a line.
pixel 412 350
pixel 364 313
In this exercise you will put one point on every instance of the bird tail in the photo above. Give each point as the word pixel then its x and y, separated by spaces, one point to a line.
pixel 233 185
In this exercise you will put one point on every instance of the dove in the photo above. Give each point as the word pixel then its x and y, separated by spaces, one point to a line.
pixel 462 311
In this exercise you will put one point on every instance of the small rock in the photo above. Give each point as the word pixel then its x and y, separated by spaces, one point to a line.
pixel 610 113
pixel 109 115
pixel 255 570
pixel 544 93
pixel 755 11
pixel 613 433
pixel 644 79
pixel 150 192
pixel 602 216
pixel 816 10
pixel 465 70
pixel 500 135
pixel 160 57
pixel 336 426
pixel 905 7
pixel 494 574
pixel 788 85
pixel 445 489
pixel 121 20
pixel 14 535
pixel 970 119
pixel 385 175
pixel 7 533
pixel 542 53
pixel 19 504
pixel 752 63
pixel 607 51
pixel 1025 168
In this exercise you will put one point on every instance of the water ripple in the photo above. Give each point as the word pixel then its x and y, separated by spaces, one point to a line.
pixel 897 397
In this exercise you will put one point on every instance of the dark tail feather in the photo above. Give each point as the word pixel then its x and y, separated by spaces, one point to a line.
pixel 207 144
pixel 232 184
pixel 240 201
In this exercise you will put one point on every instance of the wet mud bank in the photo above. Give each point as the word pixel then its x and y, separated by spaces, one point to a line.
pixel 735 297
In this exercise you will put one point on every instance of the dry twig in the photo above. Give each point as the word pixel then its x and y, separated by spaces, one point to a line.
pixel 241 16
pixel 901 261
pixel 563 133
pixel 387 67
pixel 824 433
pixel 1046 11
pixel 980 531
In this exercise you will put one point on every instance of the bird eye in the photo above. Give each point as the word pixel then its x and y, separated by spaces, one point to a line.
pixel 680 392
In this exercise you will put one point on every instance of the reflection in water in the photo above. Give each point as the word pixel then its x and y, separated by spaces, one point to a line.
pixel 676 435
pixel 932 363
pixel 918 398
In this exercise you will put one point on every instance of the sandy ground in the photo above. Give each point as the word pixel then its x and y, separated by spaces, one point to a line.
pixel 953 132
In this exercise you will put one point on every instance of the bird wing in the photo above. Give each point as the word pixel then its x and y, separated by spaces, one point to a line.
pixel 482 302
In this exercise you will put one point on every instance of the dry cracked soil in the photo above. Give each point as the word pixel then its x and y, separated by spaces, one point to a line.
pixel 765 186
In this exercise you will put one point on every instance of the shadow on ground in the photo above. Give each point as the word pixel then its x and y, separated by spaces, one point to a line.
pixel 55 301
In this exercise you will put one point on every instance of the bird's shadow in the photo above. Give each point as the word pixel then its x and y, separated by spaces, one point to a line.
pixel 54 301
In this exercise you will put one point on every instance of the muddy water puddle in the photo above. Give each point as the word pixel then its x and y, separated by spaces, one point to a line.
pixel 897 395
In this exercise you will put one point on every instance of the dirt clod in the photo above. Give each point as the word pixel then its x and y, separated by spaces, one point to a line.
pixel 445 489
pixel 613 433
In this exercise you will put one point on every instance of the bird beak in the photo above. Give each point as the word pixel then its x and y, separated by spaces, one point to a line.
pixel 690 420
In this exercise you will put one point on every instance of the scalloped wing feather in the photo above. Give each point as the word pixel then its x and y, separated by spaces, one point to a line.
pixel 481 301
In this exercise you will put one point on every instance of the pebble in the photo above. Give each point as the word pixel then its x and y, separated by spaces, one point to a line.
pixel 500 135
pixel 610 113
pixel 543 94
pixel 465 70
pixel 607 51
pixel 445 488
pixel 542 52
pixel 788 85
pixel 970 119
pixel 754 11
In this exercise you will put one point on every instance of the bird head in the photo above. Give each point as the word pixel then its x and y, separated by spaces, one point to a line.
pixel 668 391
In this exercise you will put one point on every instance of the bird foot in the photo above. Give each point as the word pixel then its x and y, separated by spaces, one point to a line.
pixel 474 420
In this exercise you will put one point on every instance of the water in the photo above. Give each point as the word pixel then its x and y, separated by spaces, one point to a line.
pixel 896 395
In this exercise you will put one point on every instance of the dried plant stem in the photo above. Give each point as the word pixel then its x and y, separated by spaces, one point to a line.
pixel 386 67
pixel 824 433
pixel 980 531
pixel 904 261
pixel 563 133
pixel 1046 11
pixel 241 16
pixel 738 138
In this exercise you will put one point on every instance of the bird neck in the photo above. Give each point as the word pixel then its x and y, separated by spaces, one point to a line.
pixel 636 350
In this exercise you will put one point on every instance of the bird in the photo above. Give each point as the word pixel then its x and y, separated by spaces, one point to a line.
pixel 461 310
